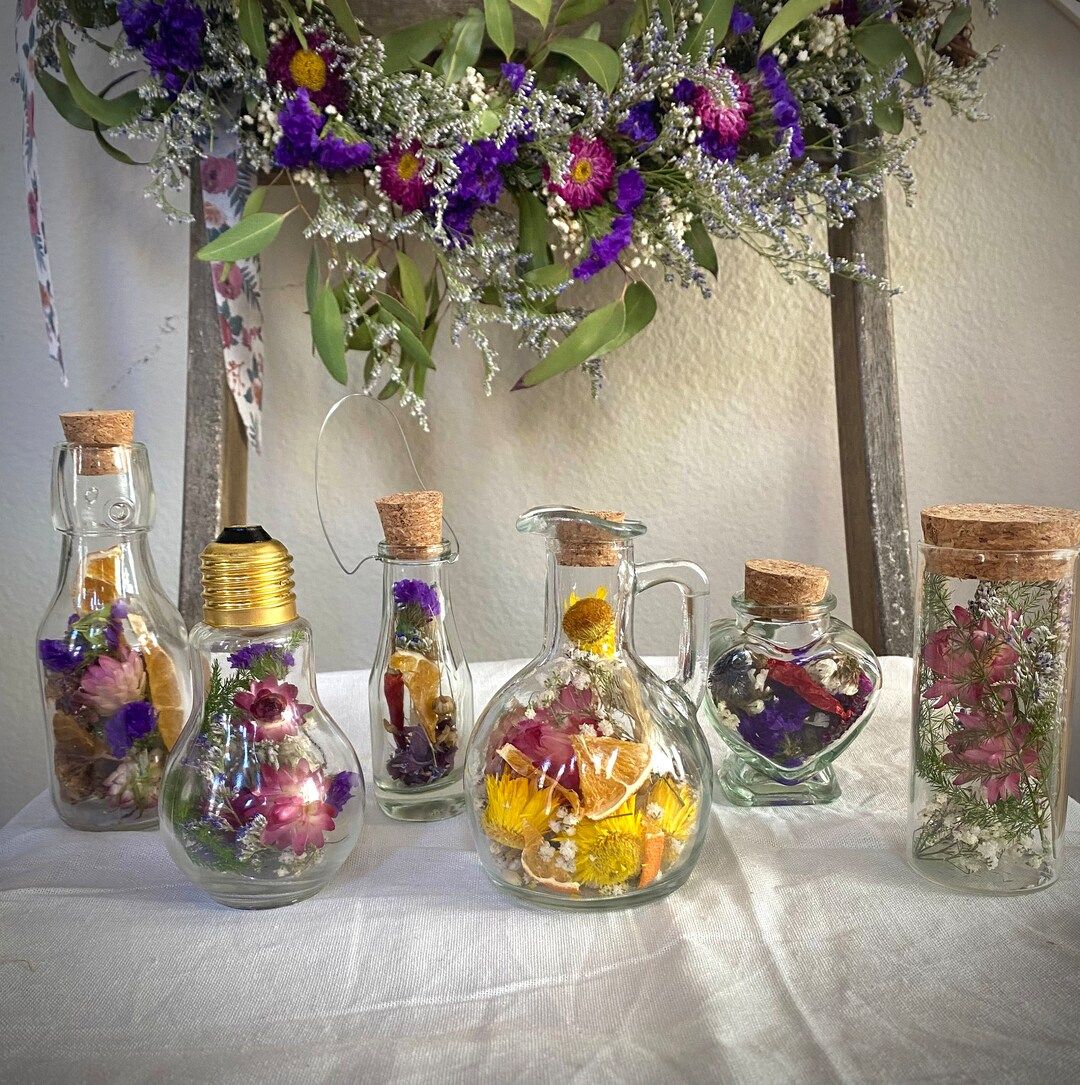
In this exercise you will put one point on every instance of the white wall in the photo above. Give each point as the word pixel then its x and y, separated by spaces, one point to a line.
pixel 717 427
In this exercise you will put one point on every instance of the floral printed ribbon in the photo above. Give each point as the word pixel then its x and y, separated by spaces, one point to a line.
pixel 25 41
pixel 226 186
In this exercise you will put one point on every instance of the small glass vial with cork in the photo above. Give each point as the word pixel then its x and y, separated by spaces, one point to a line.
pixel 420 692
pixel 790 687
pixel 263 797
pixel 112 648
pixel 995 656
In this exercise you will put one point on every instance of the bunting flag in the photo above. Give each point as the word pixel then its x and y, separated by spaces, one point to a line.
pixel 226 186
pixel 25 43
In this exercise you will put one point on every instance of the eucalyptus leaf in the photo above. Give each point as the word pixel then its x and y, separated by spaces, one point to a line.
pixel 247 238
pixel 328 333
pixel 599 61
pixel 787 18
pixel 500 24
pixel 62 101
pixel 883 44
pixel 487 122
pixel 255 200
pixel 252 30
pixel 955 21
pixel 108 112
pixel 638 19
pixel 701 245
pixel 391 388
pixel 540 10
pixel 398 311
pixel 344 17
pixel 590 336
pixel 715 16
pixel 570 11
pixel 640 303
pixel 532 228
pixel 404 48
pixel 667 14
pixel 592 32
pixel 463 49
pixel 311 279
pixel 294 22
pixel 361 338
pixel 889 117
pixel 548 277
pixel 111 151
pixel 412 287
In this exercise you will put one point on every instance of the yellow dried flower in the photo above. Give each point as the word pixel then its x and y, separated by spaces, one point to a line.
pixel 308 70
pixel 590 623
pixel 516 809
pixel 609 851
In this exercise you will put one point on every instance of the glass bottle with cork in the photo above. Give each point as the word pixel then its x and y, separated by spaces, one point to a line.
pixel 790 686
pixel 420 691
pixel 112 648
pixel 263 797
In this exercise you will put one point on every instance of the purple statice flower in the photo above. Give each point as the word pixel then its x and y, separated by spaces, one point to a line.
pixel 418 593
pixel 342 786
pixel 785 713
pixel 629 190
pixel 111 632
pixel 300 125
pixel 131 722
pixel 416 761
pixel 785 105
pixel 642 123
pixel 684 91
pixel 741 21
pixel 332 153
pixel 169 36
pixel 244 659
pixel 479 181
pixel 514 74
pixel 119 610
pixel 605 250
pixel 63 656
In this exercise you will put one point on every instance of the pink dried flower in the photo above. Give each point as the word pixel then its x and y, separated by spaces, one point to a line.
pixel 108 684
pixel 993 751
pixel 590 174
pixel 969 659
pixel 293 801
pixel 729 122
pixel 273 708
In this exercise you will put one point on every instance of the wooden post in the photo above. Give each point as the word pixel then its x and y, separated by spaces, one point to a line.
pixel 215 445
pixel 871 448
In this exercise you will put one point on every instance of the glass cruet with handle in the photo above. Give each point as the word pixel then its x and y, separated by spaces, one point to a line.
pixel 588 781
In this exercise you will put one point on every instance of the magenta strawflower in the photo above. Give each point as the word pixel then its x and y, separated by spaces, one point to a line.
pixel 293 801
pixel 401 176
pixel 729 122
pixel 272 708
pixel 590 174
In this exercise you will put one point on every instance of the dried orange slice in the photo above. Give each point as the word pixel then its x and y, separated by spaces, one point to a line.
pixel 652 854
pixel 99 584
pixel 422 677
pixel 164 682
pixel 544 871
pixel 610 770
pixel 524 767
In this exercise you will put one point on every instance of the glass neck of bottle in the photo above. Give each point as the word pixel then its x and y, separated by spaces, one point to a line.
pixel 416 583
pixel 103 492
pixel 786 627
pixel 566 584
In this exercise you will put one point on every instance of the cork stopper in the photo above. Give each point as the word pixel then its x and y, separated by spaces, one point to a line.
pixel 773 582
pixel 585 546
pixel 99 433
pixel 1000 542
pixel 412 523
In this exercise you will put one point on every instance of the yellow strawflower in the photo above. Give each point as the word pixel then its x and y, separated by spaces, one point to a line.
pixel 608 851
pixel 590 623
pixel 516 809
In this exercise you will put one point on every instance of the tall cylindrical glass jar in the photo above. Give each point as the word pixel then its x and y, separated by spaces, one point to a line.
pixel 112 648
pixel 420 690
pixel 994 661
pixel 263 798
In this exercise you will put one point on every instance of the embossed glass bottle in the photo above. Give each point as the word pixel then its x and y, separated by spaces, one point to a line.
pixel 995 658
pixel 420 691
pixel 263 797
pixel 112 647
pixel 790 687
pixel 588 780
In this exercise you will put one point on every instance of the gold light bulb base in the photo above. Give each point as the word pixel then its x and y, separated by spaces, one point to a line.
pixel 247 580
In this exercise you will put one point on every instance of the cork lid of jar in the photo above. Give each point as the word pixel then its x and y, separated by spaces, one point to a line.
pixel 99 433
pixel 585 546
pixel 1000 542
pixel 412 522
pixel 773 582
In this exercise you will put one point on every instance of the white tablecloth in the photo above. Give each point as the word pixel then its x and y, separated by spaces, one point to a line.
pixel 802 949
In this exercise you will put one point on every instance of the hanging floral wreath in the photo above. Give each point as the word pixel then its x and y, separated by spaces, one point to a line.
pixel 477 167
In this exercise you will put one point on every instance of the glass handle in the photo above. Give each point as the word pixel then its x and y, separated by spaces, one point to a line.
pixel 692 582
